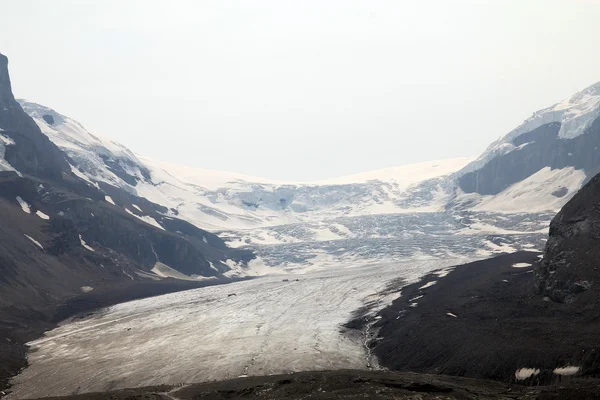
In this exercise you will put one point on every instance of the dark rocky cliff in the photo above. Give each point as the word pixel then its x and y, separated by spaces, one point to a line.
pixel 33 153
pixel 570 269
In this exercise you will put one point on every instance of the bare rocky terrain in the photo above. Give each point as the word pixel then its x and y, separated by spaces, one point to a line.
pixel 349 384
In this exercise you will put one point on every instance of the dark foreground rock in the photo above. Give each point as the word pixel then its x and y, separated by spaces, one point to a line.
pixel 352 385
pixel 570 270
pixel 484 320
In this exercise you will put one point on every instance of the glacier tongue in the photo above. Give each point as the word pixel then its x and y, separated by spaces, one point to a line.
pixel 257 327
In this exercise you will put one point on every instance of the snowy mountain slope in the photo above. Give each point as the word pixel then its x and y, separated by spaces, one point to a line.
pixel 72 221
pixel 564 137
pixel 503 201
pixel 100 158
pixel 222 200
pixel 575 115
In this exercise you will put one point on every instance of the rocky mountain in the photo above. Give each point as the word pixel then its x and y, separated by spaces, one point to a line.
pixel 539 165
pixel 569 270
pixel 65 237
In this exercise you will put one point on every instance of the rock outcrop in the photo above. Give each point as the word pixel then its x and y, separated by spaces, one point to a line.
pixel 571 264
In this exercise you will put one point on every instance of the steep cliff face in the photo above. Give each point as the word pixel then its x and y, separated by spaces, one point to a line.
pixel 30 152
pixel 570 269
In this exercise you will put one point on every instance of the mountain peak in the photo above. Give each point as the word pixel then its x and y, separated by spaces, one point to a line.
pixel 6 95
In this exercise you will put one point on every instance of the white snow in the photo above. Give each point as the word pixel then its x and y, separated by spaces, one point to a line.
pixel 81 175
pixel 212 266
pixel 525 373
pixel 109 200
pixel 443 273
pixel 137 208
pixel 521 265
pixel 205 334
pixel 84 244
pixel 86 289
pixel 164 271
pixel 566 370
pixel 404 175
pixel 146 218
pixel 534 194
pixel 5 141
pixel 42 215
pixel 451 315
pixel 24 206
pixel 34 241
pixel 255 267
pixel 428 284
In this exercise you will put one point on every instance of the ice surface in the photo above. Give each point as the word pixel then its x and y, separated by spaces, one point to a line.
pixel 269 326
pixel 109 200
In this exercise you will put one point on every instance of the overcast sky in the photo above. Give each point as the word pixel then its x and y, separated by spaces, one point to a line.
pixel 300 90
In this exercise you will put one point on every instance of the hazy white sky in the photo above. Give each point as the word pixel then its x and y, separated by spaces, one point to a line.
pixel 300 90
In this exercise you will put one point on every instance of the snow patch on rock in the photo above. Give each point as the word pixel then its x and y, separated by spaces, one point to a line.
pixel 42 215
pixel 526 373
pixel 428 284
pixel 24 206
pixel 566 370
pixel 84 244
pixel 34 241
pixel 146 218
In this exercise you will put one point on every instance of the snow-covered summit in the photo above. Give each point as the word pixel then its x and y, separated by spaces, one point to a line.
pixel 68 132
pixel 97 157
